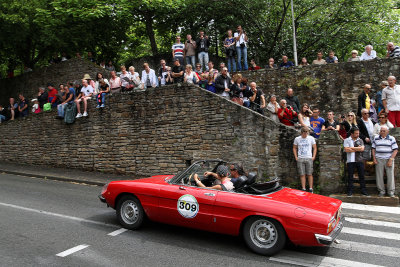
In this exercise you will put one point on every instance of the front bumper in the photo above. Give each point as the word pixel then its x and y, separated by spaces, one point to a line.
pixel 102 199
pixel 328 239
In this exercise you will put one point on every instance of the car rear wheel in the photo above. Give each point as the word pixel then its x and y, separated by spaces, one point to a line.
pixel 130 212
pixel 264 236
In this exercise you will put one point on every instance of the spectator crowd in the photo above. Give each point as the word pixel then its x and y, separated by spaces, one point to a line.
pixel 361 131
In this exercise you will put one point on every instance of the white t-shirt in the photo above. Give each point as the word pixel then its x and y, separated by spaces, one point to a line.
pixel 189 77
pixel 87 90
pixel 241 39
pixel 392 97
pixel 370 127
pixel 271 107
pixel 304 146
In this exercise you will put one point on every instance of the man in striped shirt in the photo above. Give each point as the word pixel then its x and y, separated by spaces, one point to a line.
pixel 392 50
pixel 178 50
pixel 384 150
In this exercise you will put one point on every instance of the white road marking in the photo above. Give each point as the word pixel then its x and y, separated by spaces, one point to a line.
pixel 117 232
pixel 57 215
pixel 371 233
pixel 310 260
pixel 71 250
pixel 373 222
pixel 352 206
pixel 368 248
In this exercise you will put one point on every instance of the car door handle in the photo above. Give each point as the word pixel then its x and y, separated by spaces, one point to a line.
pixel 209 194
pixel 182 188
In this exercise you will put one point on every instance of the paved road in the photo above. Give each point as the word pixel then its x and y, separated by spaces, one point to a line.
pixel 55 223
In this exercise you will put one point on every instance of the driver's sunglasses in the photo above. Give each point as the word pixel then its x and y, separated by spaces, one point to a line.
pixel 232 170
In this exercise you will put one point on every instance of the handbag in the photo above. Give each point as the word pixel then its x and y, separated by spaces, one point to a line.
pixel 47 107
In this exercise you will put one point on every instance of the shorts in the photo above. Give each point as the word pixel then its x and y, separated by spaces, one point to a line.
pixel 305 166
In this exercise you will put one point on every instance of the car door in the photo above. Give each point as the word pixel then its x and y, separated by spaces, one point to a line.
pixel 186 205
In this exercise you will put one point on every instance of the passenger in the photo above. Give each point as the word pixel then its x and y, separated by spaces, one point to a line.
pixel 236 172
pixel 224 181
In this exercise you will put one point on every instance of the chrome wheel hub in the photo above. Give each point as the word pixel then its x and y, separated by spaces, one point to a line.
pixel 129 212
pixel 263 234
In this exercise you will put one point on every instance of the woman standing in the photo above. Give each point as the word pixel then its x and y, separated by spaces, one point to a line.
pixel 229 44
pixel 349 123
pixel 304 115
pixel 273 107
pixel 190 76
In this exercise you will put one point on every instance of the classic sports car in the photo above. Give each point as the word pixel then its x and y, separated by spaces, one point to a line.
pixel 266 214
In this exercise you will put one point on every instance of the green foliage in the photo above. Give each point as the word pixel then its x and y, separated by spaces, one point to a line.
pixel 32 31
pixel 309 82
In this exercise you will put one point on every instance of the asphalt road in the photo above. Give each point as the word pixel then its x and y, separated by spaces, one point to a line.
pixel 42 220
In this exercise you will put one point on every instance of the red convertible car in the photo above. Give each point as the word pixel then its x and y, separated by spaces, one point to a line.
pixel 266 214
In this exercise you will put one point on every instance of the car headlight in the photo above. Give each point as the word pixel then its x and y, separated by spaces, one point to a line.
pixel 333 221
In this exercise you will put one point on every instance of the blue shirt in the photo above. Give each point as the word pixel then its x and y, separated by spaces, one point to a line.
pixel 316 124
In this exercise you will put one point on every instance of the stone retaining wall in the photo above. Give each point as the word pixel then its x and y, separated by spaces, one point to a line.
pixel 156 131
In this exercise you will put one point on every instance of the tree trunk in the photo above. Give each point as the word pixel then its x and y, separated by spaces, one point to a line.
pixel 148 16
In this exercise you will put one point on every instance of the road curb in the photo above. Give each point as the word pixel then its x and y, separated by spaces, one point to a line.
pixel 54 178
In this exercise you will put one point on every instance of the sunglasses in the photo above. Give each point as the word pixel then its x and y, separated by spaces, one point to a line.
pixel 350 115
pixel 382 117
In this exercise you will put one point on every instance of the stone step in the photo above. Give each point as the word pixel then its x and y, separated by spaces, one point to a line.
pixel 371 200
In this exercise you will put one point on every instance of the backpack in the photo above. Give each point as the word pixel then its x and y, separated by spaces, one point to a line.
pixel 69 113
pixel 47 107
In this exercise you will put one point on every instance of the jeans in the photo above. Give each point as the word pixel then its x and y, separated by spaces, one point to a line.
pixel 2 118
pixel 350 169
pixel 203 60
pixel 246 103
pixel 191 60
pixel 103 98
pixel 241 51
pixel 231 62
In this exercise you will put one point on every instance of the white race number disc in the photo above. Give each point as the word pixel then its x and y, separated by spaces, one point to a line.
pixel 188 206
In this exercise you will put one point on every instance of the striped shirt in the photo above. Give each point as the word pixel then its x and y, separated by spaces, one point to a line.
pixel 395 52
pixel 178 49
pixel 384 147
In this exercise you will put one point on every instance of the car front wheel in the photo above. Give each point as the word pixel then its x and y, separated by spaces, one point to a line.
pixel 264 236
pixel 130 212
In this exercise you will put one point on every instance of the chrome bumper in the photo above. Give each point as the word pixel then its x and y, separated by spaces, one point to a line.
pixel 102 199
pixel 328 239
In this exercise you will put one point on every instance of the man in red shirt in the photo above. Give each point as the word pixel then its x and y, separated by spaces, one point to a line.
pixel 52 94
pixel 286 114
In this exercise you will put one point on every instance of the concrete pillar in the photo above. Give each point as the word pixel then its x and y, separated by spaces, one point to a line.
pixel 331 167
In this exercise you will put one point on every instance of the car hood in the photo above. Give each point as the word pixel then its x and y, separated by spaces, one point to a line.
pixel 307 200
pixel 157 179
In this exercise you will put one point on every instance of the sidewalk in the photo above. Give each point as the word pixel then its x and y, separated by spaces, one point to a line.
pixel 61 174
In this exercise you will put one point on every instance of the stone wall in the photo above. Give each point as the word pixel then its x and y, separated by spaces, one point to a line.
pixel 153 132
pixel 329 87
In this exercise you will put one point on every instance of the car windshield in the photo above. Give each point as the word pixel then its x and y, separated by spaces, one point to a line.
pixel 198 167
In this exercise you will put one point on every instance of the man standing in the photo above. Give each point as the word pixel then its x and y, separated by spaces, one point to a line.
pixel 391 101
pixel 384 151
pixel 285 114
pixel 177 71
pixel 305 151
pixel 316 122
pixel 364 101
pixel 241 47
pixel 392 50
pixel 319 60
pixel 190 51
pixel 162 72
pixel 354 146
pixel 202 45
pixel 292 100
pixel 330 123
pixel 178 50
pixel 223 83
pixel 257 99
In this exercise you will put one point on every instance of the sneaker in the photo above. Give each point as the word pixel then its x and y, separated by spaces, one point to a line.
pixel 350 194
pixel 365 194
pixel 85 114
pixel 303 189
pixel 79 115
pixel 391 195
pixel 98 106
pixel 381 194
pixel 311 190
pixel 102 106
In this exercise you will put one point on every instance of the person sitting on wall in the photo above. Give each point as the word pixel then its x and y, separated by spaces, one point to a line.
pixel 52 95
pixel 286 63
pixel 253 65
pixel 3 114
pixel 331 58
pixel 286 114
pixel 84 95
pixel 224 182
pixel 12 109
pixel 43 97
pixel 319 60
pixel 23 106
pixel 271 64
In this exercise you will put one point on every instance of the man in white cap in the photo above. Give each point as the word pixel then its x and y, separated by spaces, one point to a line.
pixel 85 94
pixel 354 56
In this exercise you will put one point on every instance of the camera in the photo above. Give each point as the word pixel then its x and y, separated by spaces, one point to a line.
pixel 289 107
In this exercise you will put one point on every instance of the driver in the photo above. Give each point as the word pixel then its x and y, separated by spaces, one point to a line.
pixel 221 176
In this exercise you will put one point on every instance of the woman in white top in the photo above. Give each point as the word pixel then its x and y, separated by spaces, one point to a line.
pixel 273 107
pixel 134 77
pixel 304 115
pixel 383 121
pixel 99 76
pixel 149 78
pixel 190 76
